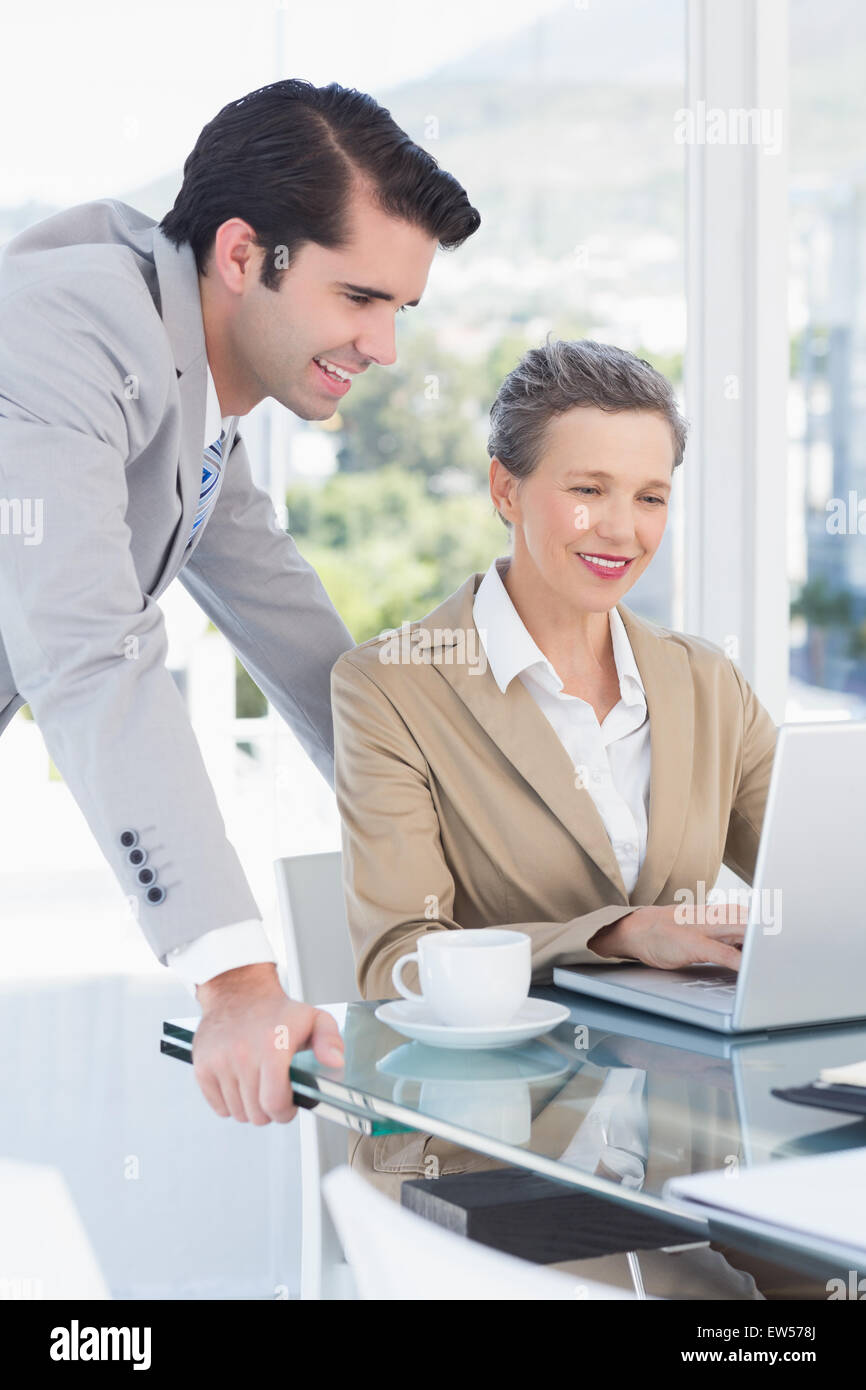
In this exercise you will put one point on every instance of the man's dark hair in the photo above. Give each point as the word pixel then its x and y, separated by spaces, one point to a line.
pixel 286 159
pixel 562 374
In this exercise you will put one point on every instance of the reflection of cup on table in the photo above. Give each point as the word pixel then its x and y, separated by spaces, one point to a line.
pixel 487 1092
pixel 497 1109
pixel 470 978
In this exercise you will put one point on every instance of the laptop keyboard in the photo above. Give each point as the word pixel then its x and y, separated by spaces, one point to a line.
pixel 707 987
pixel 720 982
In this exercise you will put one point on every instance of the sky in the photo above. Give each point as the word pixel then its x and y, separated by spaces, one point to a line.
pixel 101 96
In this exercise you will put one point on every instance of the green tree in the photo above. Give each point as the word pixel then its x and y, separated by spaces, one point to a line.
pixel 386 549
pixel 822 608
pixel 423 414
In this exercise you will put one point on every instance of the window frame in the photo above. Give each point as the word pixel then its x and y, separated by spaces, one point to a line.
pixel 735 581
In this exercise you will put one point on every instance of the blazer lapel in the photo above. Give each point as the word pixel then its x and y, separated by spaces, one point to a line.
pixel 523 734
pixel 181 314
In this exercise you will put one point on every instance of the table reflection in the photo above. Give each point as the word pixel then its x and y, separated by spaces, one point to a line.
pixel 627 1097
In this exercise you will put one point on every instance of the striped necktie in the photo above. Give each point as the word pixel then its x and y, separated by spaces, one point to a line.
pixel 211 476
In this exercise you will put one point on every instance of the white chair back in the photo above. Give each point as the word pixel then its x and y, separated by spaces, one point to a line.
pixel 320 970
pixel 397 1255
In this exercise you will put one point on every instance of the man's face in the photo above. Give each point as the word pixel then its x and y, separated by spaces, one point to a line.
pixel 339 306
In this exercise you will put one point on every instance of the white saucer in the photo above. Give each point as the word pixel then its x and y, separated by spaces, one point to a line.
pixel 533 1018
pixel 416 1061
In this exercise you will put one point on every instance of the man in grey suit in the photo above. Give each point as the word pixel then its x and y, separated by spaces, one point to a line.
pixel 306 220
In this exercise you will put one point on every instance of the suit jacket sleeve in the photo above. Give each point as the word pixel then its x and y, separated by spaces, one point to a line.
pixel 86 647
pixel 750 797
pixel 392 852
pixel 247 574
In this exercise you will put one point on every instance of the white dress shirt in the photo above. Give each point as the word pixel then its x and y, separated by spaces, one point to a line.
pixel 243 943
pixel 613 758
pixel 615 761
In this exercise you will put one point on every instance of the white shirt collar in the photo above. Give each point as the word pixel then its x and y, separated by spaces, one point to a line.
pixel 214 424
pixel 510 649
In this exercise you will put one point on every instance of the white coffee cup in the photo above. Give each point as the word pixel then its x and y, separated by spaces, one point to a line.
pixel 470 978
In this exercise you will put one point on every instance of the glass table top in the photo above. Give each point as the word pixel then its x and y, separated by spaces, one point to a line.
pixel 612 1100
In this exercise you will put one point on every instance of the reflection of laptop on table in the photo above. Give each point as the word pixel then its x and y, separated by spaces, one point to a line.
pixel 804 953
pixel 751 1068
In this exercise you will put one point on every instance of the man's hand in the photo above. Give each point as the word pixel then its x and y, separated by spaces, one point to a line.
pixel 248 1034
pixel 655 936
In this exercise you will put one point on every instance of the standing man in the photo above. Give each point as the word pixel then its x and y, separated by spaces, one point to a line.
pixel 306 221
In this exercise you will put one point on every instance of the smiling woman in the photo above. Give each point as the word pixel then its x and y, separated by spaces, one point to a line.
pixel 565 376
pixel 584 441
pixel 571 735
pixel 525 792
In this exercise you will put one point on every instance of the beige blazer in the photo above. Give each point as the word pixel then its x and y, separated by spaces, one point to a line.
pixel 461 808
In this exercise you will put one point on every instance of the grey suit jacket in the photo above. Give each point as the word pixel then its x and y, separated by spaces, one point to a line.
pixel 102 411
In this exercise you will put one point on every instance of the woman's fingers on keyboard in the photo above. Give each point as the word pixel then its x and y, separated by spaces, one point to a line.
pixel 718 953
pixel 725 931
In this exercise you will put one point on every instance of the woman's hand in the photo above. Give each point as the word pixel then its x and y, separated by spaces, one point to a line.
pixel 658 937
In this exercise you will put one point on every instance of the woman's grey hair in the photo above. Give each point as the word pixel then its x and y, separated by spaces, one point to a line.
pixel 563 374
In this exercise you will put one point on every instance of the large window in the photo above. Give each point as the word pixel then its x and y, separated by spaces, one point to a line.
pixel 562 134
pixel 827 401
pixel 558 118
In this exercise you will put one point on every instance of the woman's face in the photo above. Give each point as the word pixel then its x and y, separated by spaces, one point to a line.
pixel 601 488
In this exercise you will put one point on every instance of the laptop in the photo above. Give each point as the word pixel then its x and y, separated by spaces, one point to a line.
pixel 804 951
